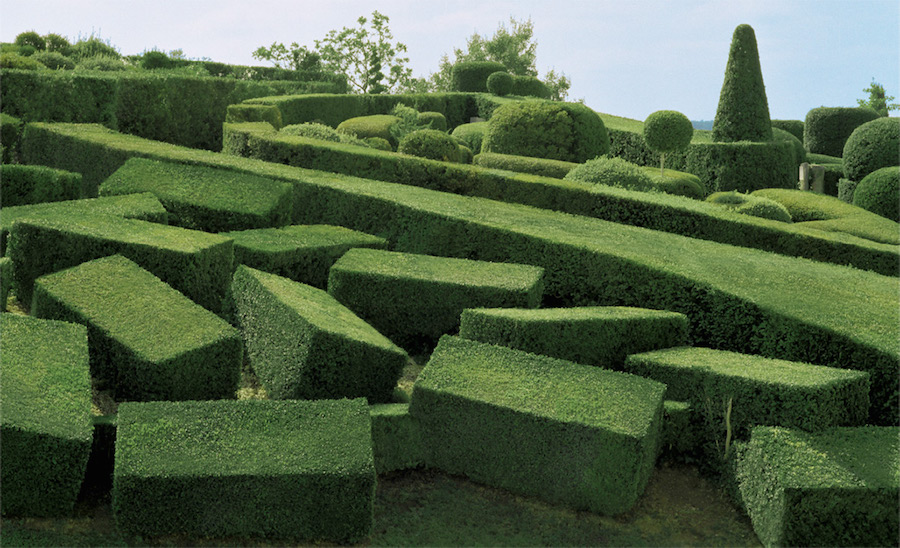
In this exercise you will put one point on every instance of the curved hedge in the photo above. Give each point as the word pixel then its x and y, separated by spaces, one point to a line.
pixel 784 136
pixel 529 86
pixel 525 164
pixel 612 172
pixel 471 76
pixel 879 192
pixel 375 125
pixel 748 204
pixel 826 129
pixel 430 143
pixel 872 146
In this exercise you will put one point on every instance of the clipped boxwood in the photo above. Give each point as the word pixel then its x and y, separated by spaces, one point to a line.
pixel 784 136
pixel 6 273
pixel 751 204
pixel 472 76
pixel 24 185
pixel 375 125
pixel 680 436
pixel 396 440
pixel 794 127
pixel 433 120
pixel 872 146
pixel 743 111
pixel 243 113
pixel 614 172
pixel 525 164
pixel 826 129
pixel 677 183
pixel 743 166
pixel 10 138
pixel 529 86
pixel 431 144
pixel 471 134
pixel 500 83
pixel 879 192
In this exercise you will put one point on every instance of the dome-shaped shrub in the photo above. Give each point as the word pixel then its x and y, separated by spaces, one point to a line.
pixel 826 129
pixel 31 38
pixel 155 60
pixel 378 143
pixel 322 132
pixel 437 120
pixel 430 143
pixel 54 60
pixel 667 131
pixel 58 43
pixel 879 192
pixel 530 86
pixel 872 146
pixel 471 134
pixel 465 154
pixel 13 61
pixel 500 83
pixel 471 76
pixel 612 172
pixel 376 125
pixel 747 204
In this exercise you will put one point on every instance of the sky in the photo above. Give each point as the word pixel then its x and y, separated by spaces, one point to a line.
pixel 624 57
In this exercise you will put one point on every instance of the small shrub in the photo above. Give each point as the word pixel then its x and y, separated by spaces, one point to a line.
pixel 155 60
pixel 678 183
pixel 31 38
pixel 432 120
pixel 101 62
pixel 794 127
pixel 530 86
pixel 378 143
pixel 377 125
pixel 430 143
pixel 471 134
pixel 58 43
pixel 879 192
pixel 667 131
pixel 613 172
pixel 15 61
pixel 747 204
pixel 54 60
pixel 500 83
pixel 407 122
pixel 872 146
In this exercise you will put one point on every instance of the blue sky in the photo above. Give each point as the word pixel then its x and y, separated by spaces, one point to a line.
pixel 624 57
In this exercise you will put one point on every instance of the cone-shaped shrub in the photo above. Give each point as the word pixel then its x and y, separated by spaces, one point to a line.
pixel 743 113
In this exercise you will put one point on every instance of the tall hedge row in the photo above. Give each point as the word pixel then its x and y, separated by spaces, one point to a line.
pixel 826 129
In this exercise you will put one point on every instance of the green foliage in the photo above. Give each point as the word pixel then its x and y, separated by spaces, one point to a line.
pixel 612 172
pixel 413 298
pixel 743 166
pixel 396 441
pixel 500 83
pixel 94 46
pixel 23 185
pixel 430 143
pixel 375 125
pixel 879 192
pixel 794 127
pixel 303 344
pixel 466 156
pixel 472 76
pixel 322 132
pixel 568 433
pixel 6 274
pixel 846 188
pixel 19 62
pixel 246 113
pixel 525 164
pixel 872 146
pixel 54 60
pixel 750 204
pixel 57 43
pixel 102 63
pixel 531 86
pixel 667 131
pixel 432 120
pixel 826 129
pixel 784 136
pixel 743 112
pixel 154 59
pixel 680 438
pixel 190 355
pixel 11 136
pixel 299 470
pixel 677 183
pixel 31 38
pixel 46 421
pixel 877 100
pixel 471 134
pixel 407 122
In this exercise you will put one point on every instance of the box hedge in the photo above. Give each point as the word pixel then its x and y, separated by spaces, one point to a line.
pixel 396 440
pixel 566 433
pixel 244 113
pixel 299 470
pixel 834 488
pixel 601 335
pixel 302 343
pixel 205 198
pixel 872 146
pixel 826 129
pixel 471 76
pixel 6 270
pixel 414 299
pixel 46 415
pixel 25 185
pixel 185 353
pixel 879 193
pixel 744 166
pixel 197 264
pixel 303 253
pixel 10 138
pixel 680 436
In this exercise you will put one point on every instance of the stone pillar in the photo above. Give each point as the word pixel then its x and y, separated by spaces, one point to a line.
pixel 818 178
pixel 804 176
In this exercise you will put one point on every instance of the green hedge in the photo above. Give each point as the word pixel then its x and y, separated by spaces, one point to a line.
pixel 244 113
pixel 98 476
pixel 744 166
pixel 794 127
pixel 195 263
pixel 680 438
pixel 736 298
pixel 299 470
pixel 414 299
pixel 133 206
pixel 879 192
pixel 471 76
pixel 6 274
pixel 396 440
pixel 373 125
pixel 204 198
pixel 601 336
pixel 25 185
pixel 846 188
pixel 833 174
pixel 302 343
pixel 46 421
pixel 826 129
pixel 564 432
pixel 835 488
pixel 525 164
pixel 303 253
pixel 10 138
pixel 872 146
pixel 147 340
pixel 471 135
pixel 530 86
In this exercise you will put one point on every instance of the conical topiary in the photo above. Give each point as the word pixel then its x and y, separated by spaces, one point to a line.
pixel 743 113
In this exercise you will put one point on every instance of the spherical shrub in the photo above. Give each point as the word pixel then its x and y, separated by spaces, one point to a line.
pixel 31 38
pixel 430 143
pixel 57 43
pixel 879 192
pixel 471 134
pixel 378 143
pixel 436 119
pixel 668 131
pixel 14 61
pixel 612 172
pixel 25 51
pixel 678 183
pixel 155 60
pixel 500 83
pixel 747 204
pixel 872 146
pixel 784 136
pixel 54 60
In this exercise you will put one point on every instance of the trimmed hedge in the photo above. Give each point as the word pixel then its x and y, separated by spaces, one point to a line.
pixel 373 125
pixel 743 166
pixel 835 488
pixel 601 336
pixel 846 188
pixel 6 275
pixel 46 421
pixel 299 470
pixel 302 343
pixel 472 76
pixel 743 111
pixel 879 192
pixel 567 433
pixel 826 129
pixel 529 86
pixel 133 206
pixel 784 136
pixel 244 113
pixel 25 185
pixel 431 144
pixel 303 253
pixel 195 263
pixel 525 164
pixel 10 138
pixel 432 120
pixel 872 146
pixel 751 204
pixel 413 298
pixel 680 437
pixel 794 127
pixel 185 353
pixel 499 83
pixel 471 135
pixel 612 172
pixel 205 198
pixel 396 440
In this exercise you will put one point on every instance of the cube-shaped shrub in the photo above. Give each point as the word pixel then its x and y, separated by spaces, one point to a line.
pixel 834 488
pixel 45 415
pixel 762 391
pixel 302 343
pixel 206 198
pixel 396 441
pixel 23 185
pixel 148 340
pixel 568 433
pixel 6 269
pixel 250 468
pixel 593 335
pixel 679 433
pixel 413 299
pixel 303 253
pixel 193 262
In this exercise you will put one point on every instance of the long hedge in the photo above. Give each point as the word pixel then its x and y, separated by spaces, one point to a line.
pixel 736 298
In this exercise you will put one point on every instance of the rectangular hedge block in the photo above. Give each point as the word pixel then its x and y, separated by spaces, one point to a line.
pixel 302 343
pixel 133 206
pixel 205 198
pixel 6 270
pixel 414 298
pixel 303 253
pixel 834 488
pixel 23 185
pixel 251 468
pixel 592 335
pixel 148 340
pixel 568 433
pixel 763 391
pixel 396 440
pixel 45 415
pixel 193 262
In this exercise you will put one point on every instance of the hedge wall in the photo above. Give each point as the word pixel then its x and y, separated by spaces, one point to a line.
pixel 826 129
pixel 471 76
pixel 10 138
pixel 794 127
pixel 396 440
pixel 6 274
pixel 24 185
pixel 743 166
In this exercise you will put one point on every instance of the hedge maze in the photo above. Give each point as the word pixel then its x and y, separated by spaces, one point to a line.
pixel 554 338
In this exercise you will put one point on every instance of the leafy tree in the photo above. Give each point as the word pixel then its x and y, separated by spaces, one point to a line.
pixel 877 100
pixel 296 57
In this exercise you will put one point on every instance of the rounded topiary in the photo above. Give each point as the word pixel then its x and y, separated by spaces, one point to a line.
pixel 826 129
pixel 57 43
pixel 612 172
pixel 430 143
pixel 92 47
pixel 436 120
pixel 879 192
pixel 794 127
pixel 155 60
pixel 471 76
pixel 530 86
pixel 872 146
pixel 743 111
pixel 31 38
pixel 54 60
pixel 13 61
pixel 500 83
pixel 784 136
pixel 747 204
pixel 667 131
pixel 378 143
pixel 322 132
pixel 465 154
pixel 471 134
pixel 375 125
